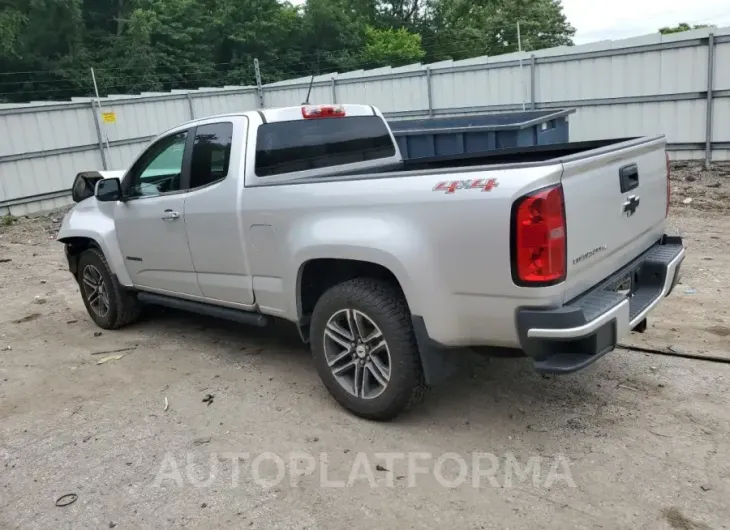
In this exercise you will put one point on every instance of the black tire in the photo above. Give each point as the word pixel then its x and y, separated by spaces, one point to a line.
pixel 123 306
pixel 386 306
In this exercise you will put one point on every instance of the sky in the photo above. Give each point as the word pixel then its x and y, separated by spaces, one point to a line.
pixel 620 19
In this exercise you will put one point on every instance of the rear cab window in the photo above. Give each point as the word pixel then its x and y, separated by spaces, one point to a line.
pixel 211 154
pixel 306 144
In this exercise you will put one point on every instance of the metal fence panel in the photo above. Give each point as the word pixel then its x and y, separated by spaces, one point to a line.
pixel 44 174
pixel 41 204
pixel 722 66
pixel 122 156
pixel 46 129
pixel 142 118
pixel 287 96
pixel 483 87
pixel 718 155
pixel 681 121
pixel 214 103
pixel 397 94
pixel 721 119
pixel 644 85
pixel 683 70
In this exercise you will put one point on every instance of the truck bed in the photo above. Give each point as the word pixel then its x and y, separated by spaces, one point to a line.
pixel 511 155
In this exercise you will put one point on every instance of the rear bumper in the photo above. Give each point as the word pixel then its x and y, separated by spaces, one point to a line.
pixel 571 337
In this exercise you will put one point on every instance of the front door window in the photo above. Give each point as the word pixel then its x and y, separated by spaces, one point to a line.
pixel 160 170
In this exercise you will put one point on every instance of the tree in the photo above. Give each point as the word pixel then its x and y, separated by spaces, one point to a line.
pixel 248 29
pixel 41 49
pixel 461 28
pixel 393 47
pixel 682 26
pixel 12 24
pixel 331 36
pixel 396 14
pixel 48 46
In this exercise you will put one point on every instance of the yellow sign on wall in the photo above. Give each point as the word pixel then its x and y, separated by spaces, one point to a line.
pixel 109 117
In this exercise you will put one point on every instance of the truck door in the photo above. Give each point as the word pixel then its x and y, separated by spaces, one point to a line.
pixel 150 224
pixel 212 213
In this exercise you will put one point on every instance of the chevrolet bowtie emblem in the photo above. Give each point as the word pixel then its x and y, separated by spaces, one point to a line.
pixel 630 206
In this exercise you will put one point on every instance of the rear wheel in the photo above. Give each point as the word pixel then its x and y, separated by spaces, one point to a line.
pixel 109 305
pixel 365 350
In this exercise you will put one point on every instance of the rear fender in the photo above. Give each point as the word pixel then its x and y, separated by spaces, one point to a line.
pixel 355 253
pixel 391 241
pixel 438 362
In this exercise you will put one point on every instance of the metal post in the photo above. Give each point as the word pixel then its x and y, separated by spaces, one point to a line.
pixel 259 86
pixel 429 91
pixel 334 89
pixel 532 81
pixel 522 77
pixel 710 87
pixel 190 105
pixel 98 135
pixel 98 102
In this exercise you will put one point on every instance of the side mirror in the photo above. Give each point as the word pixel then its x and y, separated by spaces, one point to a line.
pixel 108 190
pixel 84 185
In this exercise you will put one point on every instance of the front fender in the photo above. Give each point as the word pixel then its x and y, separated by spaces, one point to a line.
pixel 93 220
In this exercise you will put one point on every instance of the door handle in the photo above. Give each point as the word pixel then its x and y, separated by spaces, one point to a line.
pixel 170 215
pixel 629 177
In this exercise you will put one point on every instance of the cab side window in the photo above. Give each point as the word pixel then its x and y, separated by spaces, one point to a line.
pixel 160 168
pixel 211 154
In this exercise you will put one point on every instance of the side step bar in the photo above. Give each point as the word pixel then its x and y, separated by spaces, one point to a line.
pixel 226 313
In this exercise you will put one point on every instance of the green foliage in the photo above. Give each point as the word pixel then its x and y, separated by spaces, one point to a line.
pixel 460 29
pixel 394 47
pixel 8 220
pixel 679 28
pixel 47 47
pixel 12 23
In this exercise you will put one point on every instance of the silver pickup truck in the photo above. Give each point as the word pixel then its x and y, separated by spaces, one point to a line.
pixel 387 266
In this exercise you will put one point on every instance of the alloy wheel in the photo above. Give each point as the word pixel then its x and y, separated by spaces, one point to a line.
pixel 357 353
pixel 96 291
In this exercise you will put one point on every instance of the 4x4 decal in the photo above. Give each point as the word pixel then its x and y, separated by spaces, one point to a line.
pixel 453 185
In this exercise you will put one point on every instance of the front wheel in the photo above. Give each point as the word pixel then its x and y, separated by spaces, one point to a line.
pixel 109 305
pixel 365 350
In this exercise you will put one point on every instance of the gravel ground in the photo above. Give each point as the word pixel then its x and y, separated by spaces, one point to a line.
pixel 635 441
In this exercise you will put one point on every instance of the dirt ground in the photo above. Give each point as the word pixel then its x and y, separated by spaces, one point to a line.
pixel 637 440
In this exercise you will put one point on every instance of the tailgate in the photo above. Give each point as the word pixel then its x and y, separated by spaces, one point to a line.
pixel 615 208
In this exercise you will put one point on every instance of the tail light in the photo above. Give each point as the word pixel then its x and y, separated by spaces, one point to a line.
pixel 669 186
pixel 323 111
pixel 539 238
